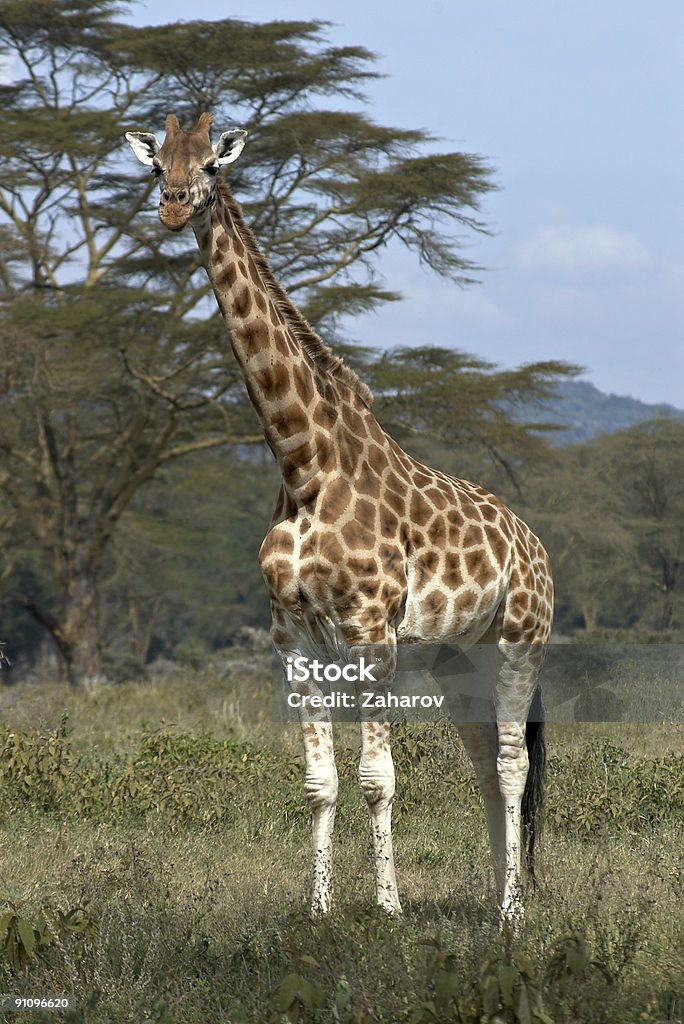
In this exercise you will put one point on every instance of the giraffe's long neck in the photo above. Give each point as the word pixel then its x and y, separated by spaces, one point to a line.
pixel 293 396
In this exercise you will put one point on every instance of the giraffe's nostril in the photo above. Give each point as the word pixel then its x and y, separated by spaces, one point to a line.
pixel 182 196
pixel 166 195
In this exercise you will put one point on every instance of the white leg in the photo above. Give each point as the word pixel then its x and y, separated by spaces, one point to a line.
pixel 514 693
pixel 376 775
pixel 482 745
pixel 320 788
pixel 320 780
pixel 512 765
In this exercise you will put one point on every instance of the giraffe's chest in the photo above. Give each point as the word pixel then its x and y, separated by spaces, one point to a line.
pixel 346 575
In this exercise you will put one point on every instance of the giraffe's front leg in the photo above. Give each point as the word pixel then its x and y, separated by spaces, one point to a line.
pixel 320 779
pixel 320 789
pixel 376 773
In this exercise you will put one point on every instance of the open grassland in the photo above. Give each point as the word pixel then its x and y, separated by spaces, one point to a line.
pixel 154 863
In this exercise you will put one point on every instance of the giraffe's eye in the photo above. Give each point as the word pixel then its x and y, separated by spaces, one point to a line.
pixel 211 168
pixel 156 169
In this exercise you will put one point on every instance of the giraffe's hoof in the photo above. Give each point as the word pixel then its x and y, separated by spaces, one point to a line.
pixel 319 909
pixel 391 908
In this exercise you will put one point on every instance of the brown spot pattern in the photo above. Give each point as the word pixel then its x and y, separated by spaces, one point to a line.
pixel 426 566
pixel 434 605
pixel 325 455
pixel 356 535
pixel 325 414
pixel 242 303
pixel 280 340
pixel 355 422
pixel 420 511
pixel 273 381
pixel 472 536
pixel 303 380
pixel 364 512
pixel 227 277
pixel 349 452
pixel 290 421
pixel 254 338
pixel 335 500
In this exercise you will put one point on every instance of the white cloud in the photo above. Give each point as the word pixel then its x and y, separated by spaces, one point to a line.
pixel 594 249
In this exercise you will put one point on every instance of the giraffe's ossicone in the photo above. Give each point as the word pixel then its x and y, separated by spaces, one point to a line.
pixel 368 547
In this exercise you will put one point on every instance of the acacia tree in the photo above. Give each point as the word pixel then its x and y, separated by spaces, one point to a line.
pixel 589 545
pixel 642 471
pixel 612 514
pixel 112 365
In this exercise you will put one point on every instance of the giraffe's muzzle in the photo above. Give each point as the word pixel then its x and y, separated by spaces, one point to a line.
pixel 174 215
pixel 175 207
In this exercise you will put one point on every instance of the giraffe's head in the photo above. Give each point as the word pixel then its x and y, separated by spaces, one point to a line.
pixel 186 165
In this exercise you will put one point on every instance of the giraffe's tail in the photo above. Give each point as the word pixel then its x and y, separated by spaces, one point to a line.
pixel 533 797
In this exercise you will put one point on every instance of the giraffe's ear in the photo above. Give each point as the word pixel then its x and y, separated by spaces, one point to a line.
pixel 144 145
pixel 230 145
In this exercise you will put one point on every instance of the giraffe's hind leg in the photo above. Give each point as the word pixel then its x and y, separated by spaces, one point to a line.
pixel 481 742
pixel 514 695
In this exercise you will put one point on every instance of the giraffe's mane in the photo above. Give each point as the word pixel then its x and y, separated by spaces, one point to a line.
pixel 321 354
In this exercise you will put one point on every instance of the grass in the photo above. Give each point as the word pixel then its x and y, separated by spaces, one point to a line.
pixel 156 908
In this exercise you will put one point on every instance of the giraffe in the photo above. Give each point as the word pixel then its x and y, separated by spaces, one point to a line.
pixel 367 547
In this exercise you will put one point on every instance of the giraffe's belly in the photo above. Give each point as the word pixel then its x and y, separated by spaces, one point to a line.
pixel 461 616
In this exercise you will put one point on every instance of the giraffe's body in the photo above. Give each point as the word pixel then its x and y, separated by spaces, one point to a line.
pixel 367 546
pixel 428 556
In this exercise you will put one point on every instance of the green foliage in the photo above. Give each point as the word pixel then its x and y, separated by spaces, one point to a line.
pixel 184 573
pixel 504 992
pixel 20 940
pixel 297 997
pixel 615 542
pixel 187 781
pixel 507 985
pixel 198 782
pixel 603 789
pixel 461 413
pixel 570 964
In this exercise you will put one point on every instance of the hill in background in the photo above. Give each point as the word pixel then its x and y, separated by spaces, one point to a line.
pixel 586 412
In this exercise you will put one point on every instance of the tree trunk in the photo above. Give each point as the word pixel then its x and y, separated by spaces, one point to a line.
pixel 77 634
pixel 589 616
pixel 666 617
pixel 83 653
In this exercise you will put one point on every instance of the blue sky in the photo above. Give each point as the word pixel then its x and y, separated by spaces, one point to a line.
pixel 579 109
